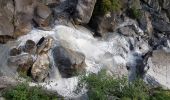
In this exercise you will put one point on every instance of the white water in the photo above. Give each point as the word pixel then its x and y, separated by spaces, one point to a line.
pixel 112 53
pixel 98 53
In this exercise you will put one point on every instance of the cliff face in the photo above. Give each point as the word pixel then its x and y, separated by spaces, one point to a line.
pixel 130 31
pixel 20 16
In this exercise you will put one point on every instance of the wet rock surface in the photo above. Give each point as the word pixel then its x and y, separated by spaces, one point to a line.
pixel 68 62
pixel 159 68
pixel 40 68
pixel 140 27
pixel 32 59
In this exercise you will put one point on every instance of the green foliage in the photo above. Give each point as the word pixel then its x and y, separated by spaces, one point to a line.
pixel 160 94
pixel 25 76
pixel 24 92
pixel 104 6
pixel 135 13
pixel 103 87
pixel 137 90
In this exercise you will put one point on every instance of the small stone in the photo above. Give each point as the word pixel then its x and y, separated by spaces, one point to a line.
pixel 30 47
pixel 14 52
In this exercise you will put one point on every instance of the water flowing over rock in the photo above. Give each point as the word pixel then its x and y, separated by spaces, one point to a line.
pixel 68 61
pixel 65 49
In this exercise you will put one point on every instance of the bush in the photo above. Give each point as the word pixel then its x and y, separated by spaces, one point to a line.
pixel 104 6
pixel 135 13
pixel 103 87
pixel 24 92
pixel 160 94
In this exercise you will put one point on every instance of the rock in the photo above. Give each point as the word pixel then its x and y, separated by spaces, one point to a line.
pixel 165 26
pixel 6 38
pixel 6 17
pixel 24 11
pixel 154 4
pixel 6 82
pixel 84 10
pixel 44 44
pixel 127 31
pixel 15 52
pixel 42 16
pixel 49 2
pixel 145 23
pixel 30 47
pixel 68 62
pixel 64 11
pixel 103 24
pixel 159 66
pixel 40 68
pixel 22 62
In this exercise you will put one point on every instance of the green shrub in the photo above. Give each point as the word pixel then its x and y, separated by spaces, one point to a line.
pixel 103 87
pixel 24 92
pixel 160 94
pixel 104 6
pixel 135 13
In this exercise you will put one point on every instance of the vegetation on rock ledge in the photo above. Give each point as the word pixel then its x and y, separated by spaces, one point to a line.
pixel 104 6
pixel 103 87
pixel 24 92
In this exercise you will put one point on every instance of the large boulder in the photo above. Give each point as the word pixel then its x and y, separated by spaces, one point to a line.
pixel 103 21
pixel 42 15
pixel 165 26
pixel 68 62
pixel 6 17
pixel 24 11
pixel 40 67
pixel 84 10
pixel 159 66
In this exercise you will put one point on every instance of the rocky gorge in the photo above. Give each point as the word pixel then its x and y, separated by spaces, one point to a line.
pixel 55 41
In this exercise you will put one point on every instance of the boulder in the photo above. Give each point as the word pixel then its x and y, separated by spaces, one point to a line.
pixel 24 11
pixel 84 10
pixel 159 66
pixel 68 62
pixel 40 67
pixel 42 15
pixel 165 26
pixel 30 47
pixel 44 44
pixel 6 82
pixel 103 24
pixel 154 4
pixel 15 52
pixel 6 17
pixel 127 31
pixel 23 62
pixel 145 22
